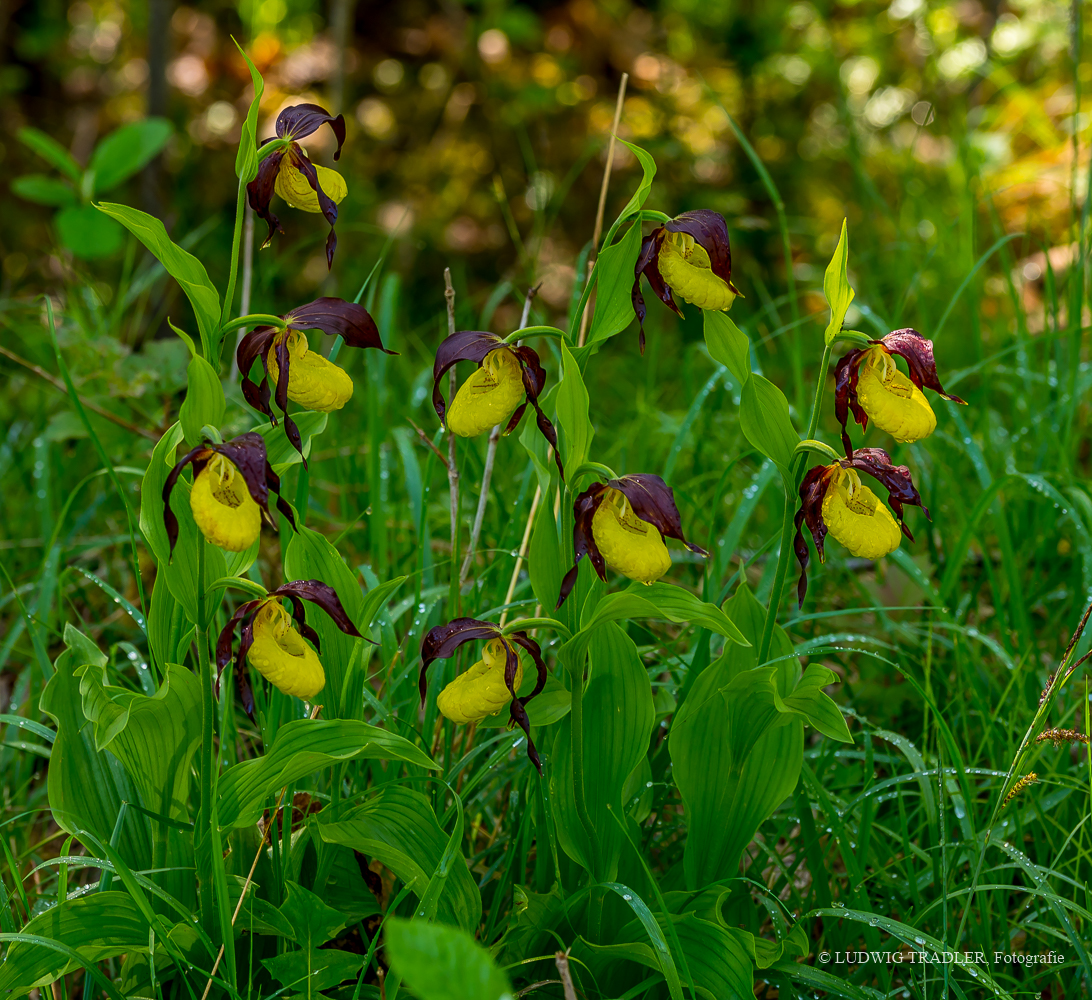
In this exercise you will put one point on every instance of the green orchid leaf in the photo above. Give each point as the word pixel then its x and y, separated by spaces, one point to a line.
pixel 836 286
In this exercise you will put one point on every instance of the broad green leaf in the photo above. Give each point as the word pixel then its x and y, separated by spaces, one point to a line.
pixel 572 412
pixel 128 150
pixel 544 558
pixel 305 973
pixel 836 286
pixel 614 282
pixel 728 345
pixel 186 269
pixel 87 233
pixel 44 190
pixel 98 926
pixel 817 707
pixel 301 748
pixel 280 451
pixel 204 402
pixel 154 737
pixel 85 786
pixel 648 172
pixel 660 600
pixel 50 150
pixel 535 444
pixel 310 556
pixel 728 797
pixel 246 159
pixel 398 827
pixel 765 421
pixel 443 963
pixel 151 492
pixel 618 716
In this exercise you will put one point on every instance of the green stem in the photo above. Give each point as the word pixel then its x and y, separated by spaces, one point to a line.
pixel 787 526
pixel 576 730
pixel 207 756
pixel 253 319
pixel 236 244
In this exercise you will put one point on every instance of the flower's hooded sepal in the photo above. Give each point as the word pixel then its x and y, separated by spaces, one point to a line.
pixel 288 663
pixel 868 384
pixel 832 498
pixel 691 257
pixel 227 511
pixel 292 175
pixel 651 500
pixel 318 384
pixel 484 402
pixel 442 641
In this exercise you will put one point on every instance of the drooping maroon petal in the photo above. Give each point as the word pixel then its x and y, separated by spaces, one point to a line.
pixel 648 265
pixel 466 345
pixel 584 508
pixel 336 317
pixel 918 353
pixel 297 161
pixel 813 489
pixel 227 633
pixel 302 120
pixel 846 375
pixel 896 478
pixel 325 597
pixel 170 521
pixel 259 193
pixel 440 642
pixel 283 506
pixel 283 358
pixel 243 689
pixel 247 453
pixel 535 651
pixel 300 618
pixel 253 346
pixel 516 711
pixel 534 381
pixel 653 501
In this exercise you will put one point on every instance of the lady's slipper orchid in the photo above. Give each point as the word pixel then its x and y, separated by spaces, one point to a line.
pixel 230 492
pixel 272 640
pixel 303 184
pixel 868 382
pixel 298 373
pixel 833 498
pixel 621 524
pixel 689 257
pixel 507 379
pixel 491 683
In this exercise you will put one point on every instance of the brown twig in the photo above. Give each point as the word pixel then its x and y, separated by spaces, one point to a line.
pixel 428 441
pixel 597 232
pixel 561 960
pixel 452 385
pixel 93 407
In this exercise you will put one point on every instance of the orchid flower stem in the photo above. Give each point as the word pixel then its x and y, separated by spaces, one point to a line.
pixel 236 244
pixel 452 457
pixel 778 589
pixel 254 319
pixel 207 756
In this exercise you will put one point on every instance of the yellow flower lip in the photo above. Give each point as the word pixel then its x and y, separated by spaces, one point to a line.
pixel 489 396
pixel 279 653
pixel 869 384
pixel 622 524
pixel 689 256
pixel 480 690
pixel 313 381
pixel 833 499
pixel 489 684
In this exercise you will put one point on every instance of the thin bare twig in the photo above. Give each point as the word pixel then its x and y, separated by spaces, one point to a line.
pixel 428 441
pixel 602 202
pixel 561 960
pixel 490 457
pixel 247 282
pixel 452 385
pixel 93 407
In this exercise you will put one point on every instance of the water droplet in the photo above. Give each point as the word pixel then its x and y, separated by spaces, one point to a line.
pixel 627 897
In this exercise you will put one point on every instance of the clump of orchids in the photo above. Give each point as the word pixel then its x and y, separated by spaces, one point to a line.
pixel 833 498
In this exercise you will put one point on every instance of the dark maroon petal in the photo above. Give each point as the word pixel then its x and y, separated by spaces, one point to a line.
pixel 170 521
pixel 813 489
pixel 274 482
pixel 653 501
pixel 467 345
pixel 247 453
pixel 648 265
pixel 227 633
pixel 301 120
pixel 584 508
pixel 710 230
pixel 534 375
pixel 534 381
pixel 337 317
pixel 518 714
pixel 298 162
pixel 440 642
pixel 300 618
pixel 243 689
pixel 896 478
pixel 325 597
pixel 918 353
pixel 259 193
pixel 253 346
pixel 535 651
pixel 845 393
pixel 283 358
